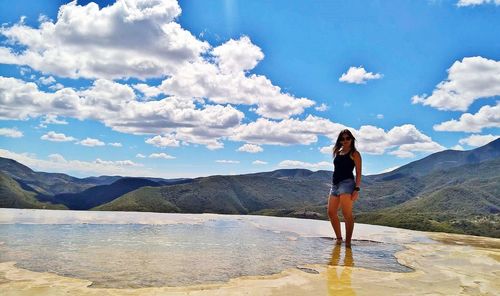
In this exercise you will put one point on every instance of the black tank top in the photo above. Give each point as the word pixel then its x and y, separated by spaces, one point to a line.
pixel 343 166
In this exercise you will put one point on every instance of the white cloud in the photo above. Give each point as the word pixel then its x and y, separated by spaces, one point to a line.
pixel 326 149
pixel 457 147
pixel 286 132
pixel 57 163
pixel 239 55
pixel 358 75
pixel 11 133
pixel 250 148
pixel 57 137
pixel 205 80
pixel 139 155
pixel 227 161
pixel 167 140
pixel 52 119
pixel 90 142
pixel 259 162
pixel 462 3
pixel 149 91
pixel 56 86
pixel 47 80
pixel 302 164
pixel 88 42
pixel 402 154
pixel 478 140
pixel 380 116
pixel 487 116
pixel 161 155
pixel 323 107
pixel 116 106
pixel 115 144
pixel 389 169
pixel 468 80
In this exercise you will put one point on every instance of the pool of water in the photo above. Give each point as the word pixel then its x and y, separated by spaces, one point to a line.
pixel 145 255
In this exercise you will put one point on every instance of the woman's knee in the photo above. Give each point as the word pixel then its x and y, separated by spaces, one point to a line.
pixel 332 214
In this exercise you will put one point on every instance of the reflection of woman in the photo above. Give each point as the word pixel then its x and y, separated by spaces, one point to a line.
pixel 344 189
pixel 340 284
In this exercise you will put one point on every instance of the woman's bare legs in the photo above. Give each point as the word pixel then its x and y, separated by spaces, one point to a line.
pixel 333 207
pixel 346 205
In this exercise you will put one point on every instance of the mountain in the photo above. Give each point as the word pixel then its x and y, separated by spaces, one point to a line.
pixel 443 160
pixel 48 183
pixel 98 195
pixel 463 199
pixel 13 196
pixel 453 191
pixel 241 194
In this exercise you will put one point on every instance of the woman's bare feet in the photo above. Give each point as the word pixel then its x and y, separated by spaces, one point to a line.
pixel 347 244
pixel 338 241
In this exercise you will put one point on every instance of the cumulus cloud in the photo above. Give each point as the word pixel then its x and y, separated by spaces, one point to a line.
pixel 57 137
pixel 227 161
pixel 239 55
pixel 52 119
pixel 90 142
pixel 462 3
pixel 457 147
pixel 155 46
pixel 168 140
pixel 161 155
pixel 139 155
pixel 148 91
pixel 478 140
pixel 137 38
pixel 468 80
pixel 302 164
pixel 380 116
pixel 47 80
pixel 323 107
pixel 115 105
pixel 487 116
pixel 115 144
pixel 286 132
pixel 206 80
pixel 57 163
pixel 250 148
pixel 11 133
pixel 358 75
pixel 259 162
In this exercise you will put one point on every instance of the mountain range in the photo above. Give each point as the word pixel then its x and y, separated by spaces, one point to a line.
pixel 451 191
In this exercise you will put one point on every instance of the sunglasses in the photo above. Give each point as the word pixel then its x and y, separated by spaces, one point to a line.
pixel 345 139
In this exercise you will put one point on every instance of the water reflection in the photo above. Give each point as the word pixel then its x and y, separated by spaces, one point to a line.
pixel 339 273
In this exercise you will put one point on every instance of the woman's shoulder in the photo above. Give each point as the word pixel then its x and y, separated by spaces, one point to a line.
pixel 356 154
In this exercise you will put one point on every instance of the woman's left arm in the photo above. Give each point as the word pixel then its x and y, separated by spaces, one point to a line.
pixel 357 164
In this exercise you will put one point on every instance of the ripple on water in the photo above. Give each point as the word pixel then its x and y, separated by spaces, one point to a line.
pixel 133 255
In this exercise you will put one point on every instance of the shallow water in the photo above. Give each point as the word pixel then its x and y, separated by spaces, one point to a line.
pixel 144 255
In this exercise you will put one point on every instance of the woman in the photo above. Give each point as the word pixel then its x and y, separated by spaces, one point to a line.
pixel 345 189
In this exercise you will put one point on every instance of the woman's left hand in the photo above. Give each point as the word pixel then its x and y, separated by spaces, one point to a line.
pixel 354 195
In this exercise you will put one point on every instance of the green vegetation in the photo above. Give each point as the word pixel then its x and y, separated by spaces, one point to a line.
pixel 13 196
pixel 449 191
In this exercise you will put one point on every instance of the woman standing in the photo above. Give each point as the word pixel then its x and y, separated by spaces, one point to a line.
pixel 345 189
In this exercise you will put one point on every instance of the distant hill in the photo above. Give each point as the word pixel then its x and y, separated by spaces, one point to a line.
pixel 98 195
pixel 13 196
pixel 452 191
pixel 48 183
pixel 242 194
pixel 444 160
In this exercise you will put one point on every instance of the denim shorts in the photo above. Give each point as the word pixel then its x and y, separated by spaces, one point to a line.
pixel 343 187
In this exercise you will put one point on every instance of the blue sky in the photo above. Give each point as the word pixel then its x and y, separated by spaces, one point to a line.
pixel 196 88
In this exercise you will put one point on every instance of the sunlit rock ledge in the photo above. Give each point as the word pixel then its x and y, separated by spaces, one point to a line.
pixel 443 264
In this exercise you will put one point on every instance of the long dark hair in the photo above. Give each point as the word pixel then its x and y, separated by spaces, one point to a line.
pixel 338 144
